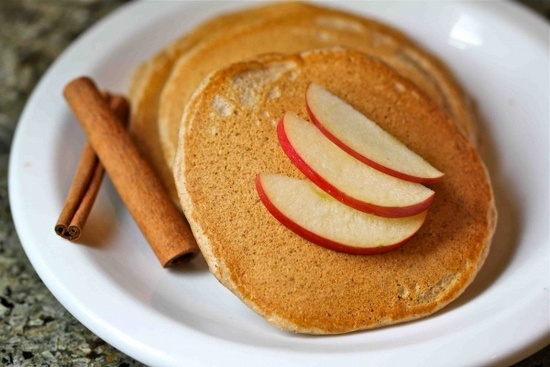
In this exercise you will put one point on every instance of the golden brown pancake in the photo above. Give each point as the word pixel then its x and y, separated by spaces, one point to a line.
pixel 228 136
pixel 303 28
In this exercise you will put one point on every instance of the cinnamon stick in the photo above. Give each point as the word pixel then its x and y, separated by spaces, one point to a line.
pixel 86 182
pixel 162 224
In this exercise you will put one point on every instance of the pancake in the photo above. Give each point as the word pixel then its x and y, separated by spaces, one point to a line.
pixel 228 136
pixel 305 28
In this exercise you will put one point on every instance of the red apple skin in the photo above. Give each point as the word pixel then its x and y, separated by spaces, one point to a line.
pixel 315 238
pixel 382 211
pixel 364 159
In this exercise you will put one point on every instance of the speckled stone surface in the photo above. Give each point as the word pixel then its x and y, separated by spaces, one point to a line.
pixel 35 330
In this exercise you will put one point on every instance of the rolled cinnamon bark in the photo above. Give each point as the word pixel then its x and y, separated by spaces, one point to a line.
pixel 86 181
pixel 162 224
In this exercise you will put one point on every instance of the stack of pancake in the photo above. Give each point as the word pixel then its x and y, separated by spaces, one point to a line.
pixel 204 115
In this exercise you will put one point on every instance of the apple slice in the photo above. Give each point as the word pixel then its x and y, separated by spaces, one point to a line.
pixel 316 216
pixel 364 139
pixel 346 178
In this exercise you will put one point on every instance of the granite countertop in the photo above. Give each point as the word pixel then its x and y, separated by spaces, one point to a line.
pixel 35 330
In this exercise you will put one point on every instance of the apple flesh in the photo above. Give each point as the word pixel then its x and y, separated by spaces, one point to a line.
pixel 346 178
pixel 364 139
pixel 319 218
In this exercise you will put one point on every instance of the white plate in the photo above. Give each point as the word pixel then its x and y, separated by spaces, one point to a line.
pixel 184 317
